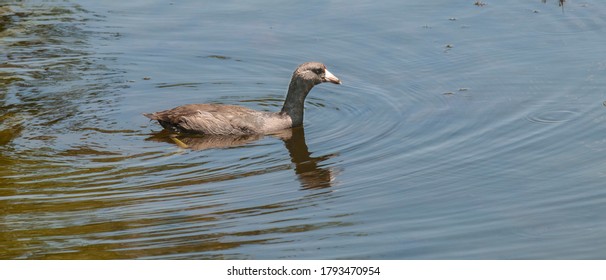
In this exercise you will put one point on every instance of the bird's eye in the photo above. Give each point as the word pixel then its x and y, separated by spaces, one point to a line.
pixel 317 71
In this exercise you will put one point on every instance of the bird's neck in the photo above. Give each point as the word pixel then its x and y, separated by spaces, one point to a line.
pixel 295 99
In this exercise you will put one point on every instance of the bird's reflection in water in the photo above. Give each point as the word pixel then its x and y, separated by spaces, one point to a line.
pixel 307 168
pixel 203 142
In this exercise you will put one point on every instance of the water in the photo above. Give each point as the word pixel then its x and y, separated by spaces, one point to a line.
pixel 461 131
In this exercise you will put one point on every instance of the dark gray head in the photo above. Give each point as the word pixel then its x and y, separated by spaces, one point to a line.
pixel 303 80
pixel 316 72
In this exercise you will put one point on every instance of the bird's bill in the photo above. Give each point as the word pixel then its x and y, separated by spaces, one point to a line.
pixel 329 77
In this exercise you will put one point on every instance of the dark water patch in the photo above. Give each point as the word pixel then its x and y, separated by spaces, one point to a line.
pixel 191 85
pixel 111 131
pixel 221 57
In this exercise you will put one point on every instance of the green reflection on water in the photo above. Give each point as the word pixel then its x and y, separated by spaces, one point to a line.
pixel 48 73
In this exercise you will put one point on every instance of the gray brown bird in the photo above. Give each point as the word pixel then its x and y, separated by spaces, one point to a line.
pixel 219 119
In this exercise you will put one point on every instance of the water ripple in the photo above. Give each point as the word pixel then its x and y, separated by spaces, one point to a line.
pixel 552 116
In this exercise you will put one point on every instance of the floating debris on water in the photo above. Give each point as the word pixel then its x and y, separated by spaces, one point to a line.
pixel 222 57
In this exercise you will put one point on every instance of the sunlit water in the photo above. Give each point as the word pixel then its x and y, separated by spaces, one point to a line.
pixel 461 131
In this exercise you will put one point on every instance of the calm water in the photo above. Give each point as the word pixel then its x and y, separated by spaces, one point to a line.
pixel 461 131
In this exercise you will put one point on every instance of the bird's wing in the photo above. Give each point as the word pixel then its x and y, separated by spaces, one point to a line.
pixel 211 119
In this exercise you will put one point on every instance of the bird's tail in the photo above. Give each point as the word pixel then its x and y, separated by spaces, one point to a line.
pixel 151 116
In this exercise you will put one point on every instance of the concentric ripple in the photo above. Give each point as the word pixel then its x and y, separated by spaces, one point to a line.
pixel 552 116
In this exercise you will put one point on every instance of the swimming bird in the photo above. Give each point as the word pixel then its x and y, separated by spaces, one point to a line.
pixel 217 119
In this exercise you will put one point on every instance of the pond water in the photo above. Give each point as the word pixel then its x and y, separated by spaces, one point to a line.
pixel 461 131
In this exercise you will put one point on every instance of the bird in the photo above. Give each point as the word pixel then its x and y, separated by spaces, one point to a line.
pixel 219 119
